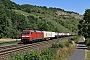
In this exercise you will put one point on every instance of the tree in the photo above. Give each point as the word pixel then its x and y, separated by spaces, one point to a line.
pixel 84 25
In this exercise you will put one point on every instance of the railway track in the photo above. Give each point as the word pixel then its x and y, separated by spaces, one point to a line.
pixel 5 51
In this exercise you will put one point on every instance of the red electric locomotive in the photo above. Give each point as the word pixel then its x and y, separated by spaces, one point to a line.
pixel 31 35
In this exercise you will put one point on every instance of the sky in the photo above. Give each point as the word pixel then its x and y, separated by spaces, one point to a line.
pixel 78 6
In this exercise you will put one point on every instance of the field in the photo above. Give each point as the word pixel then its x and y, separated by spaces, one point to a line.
pixel 8 40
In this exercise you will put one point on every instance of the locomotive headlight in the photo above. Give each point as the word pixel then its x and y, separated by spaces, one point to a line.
pixel 23 36
pixel 27 36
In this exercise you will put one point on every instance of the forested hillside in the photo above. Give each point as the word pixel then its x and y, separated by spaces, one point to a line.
pixel 14 18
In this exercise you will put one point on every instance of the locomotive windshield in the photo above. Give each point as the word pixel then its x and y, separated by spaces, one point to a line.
pixel 26 32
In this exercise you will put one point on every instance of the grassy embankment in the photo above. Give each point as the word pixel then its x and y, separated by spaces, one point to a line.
pixel 58 51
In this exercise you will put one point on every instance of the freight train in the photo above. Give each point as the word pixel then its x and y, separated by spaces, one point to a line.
pixel 35 35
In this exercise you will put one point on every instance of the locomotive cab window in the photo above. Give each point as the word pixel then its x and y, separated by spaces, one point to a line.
pixel 31 32
pixel 25 32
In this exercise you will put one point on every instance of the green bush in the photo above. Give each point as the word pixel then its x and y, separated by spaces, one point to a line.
pixel 87 42
pixel 45 54
pixel 55 45
pixel 61 45
pixel 75 39
pixel 70 41
pixel 88 47
pixel 16 56
pixel 67 44
pixel 32 55
pixel 58 45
